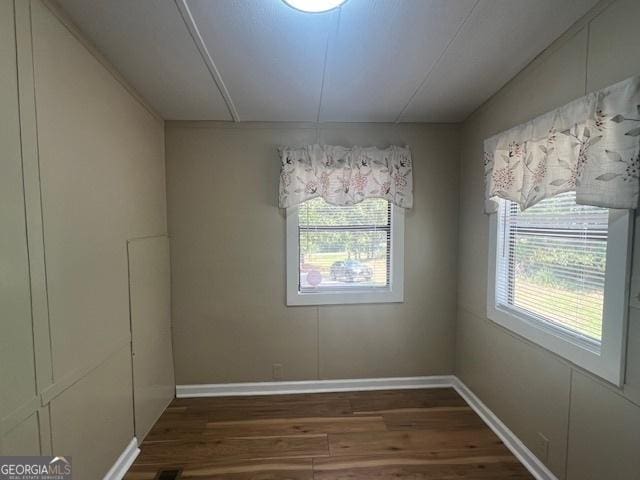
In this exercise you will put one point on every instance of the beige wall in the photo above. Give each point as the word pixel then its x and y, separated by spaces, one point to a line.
pixel 17 367
pixel 230 320
pixel 93 163
pixel 593 428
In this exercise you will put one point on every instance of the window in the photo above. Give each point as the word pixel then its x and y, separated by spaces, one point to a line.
pixel 558 276
pixel 344 254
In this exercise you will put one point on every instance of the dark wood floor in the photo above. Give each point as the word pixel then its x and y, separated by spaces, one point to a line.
pixel 395 434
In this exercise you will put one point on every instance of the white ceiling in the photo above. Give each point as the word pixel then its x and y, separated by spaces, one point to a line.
pixel 369 61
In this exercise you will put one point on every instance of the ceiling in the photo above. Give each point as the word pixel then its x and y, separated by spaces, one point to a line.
pixel 369 61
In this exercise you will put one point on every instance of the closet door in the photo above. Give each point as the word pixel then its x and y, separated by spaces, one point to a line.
pixel 152 357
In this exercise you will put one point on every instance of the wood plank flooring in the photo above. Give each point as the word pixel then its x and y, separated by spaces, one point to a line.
pixel 396 434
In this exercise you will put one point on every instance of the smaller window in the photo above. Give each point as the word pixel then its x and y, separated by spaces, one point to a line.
pixel 558 276
pixel 344 254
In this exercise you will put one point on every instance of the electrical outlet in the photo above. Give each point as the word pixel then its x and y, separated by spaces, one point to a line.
pixel 543 448
pixel 277 371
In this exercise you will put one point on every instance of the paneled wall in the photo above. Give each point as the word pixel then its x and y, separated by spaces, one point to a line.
pixel 230 319
pixel 82 174
pixel 593 428
pixel 17 366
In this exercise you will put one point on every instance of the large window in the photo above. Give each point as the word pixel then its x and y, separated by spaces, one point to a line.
pixel 558 276
pixel 344 254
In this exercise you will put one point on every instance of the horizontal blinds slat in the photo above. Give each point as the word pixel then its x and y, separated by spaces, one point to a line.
pixel 532 294
pixel 569 321
pixel 542 239
pixel 594 278
pixel 566 325
pixel 564 220
pixel 554 236
pixel 317 212
pixel 345 228
pixel 533 300
pixel 550 294
pixel 564 315
pixel 559 290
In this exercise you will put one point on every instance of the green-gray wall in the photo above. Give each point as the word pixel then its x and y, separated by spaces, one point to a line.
pixel 230 320
pixel 96 159
pixel 593 428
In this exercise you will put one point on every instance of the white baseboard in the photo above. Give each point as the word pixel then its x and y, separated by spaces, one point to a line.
pixel 124 461
pixel 311 386
pixel 511 441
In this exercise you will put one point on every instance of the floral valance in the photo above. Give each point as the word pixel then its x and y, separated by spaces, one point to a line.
pixel 590 146
pixel 345 176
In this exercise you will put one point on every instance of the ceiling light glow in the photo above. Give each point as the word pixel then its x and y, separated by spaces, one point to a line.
pixel 314 6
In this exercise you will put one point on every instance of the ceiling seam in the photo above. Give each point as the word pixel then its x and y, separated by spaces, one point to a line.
pixel 190 23
pixel 435 64
pixel 326 57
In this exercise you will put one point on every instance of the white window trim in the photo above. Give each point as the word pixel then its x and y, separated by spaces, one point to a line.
pixel 608 361
pixel 392 294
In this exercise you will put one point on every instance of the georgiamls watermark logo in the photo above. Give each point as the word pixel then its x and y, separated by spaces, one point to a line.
pixel 35 468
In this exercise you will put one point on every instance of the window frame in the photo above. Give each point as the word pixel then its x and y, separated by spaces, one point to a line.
pixel 608 360
pixel 393 293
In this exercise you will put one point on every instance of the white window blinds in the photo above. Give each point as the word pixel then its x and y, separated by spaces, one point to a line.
pixel 344 248
pixel 551 262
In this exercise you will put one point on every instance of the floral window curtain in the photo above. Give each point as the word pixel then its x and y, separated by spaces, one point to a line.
pixel 345 176
pixel 590 146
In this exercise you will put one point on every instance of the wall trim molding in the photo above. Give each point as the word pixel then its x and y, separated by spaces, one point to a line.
pixel 511 441
pixel 69 379
pixel 124 461
pixel 19 415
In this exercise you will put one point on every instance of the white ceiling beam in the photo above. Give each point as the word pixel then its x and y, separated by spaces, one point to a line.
pixel 435 64
pixel 190 22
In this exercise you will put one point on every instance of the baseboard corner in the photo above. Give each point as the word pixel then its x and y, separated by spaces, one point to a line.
pixel 124 461
pixel 538 469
